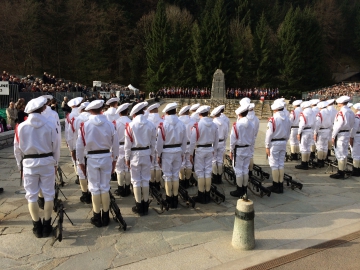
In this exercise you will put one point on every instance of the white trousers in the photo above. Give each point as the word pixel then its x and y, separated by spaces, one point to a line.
pixel 154 164
pixel 186 164
pixel 355 150
pixel 218 157
pixel 203 164
pixel 342 143
pixel 120 163
pixel 293 139
pixel 243 156
pixel 307 140
pixel 140 169
pixel 277 155
pixel 42 177
pixel 171 164
pixel 98 172
pixel 322 140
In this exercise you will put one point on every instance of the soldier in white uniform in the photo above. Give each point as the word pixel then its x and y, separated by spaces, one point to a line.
pixel 223 131
pixel 333 113
pixel 140 139
pixel 37 152
pixel 323 125
pixel 110 113
pixel 74 104
pixel 224 117
pixel 194 115
pixel 205 137
pixel 99 143
pixel 277 135
pixel 255 121
pixel 170 147
pixel 122 171
pixel 73 135
pixel 155 119
pixel 344 122
pixel 294 120
pixel 355 141
pixel 241 140
pixel 186 167
pixel 314 103
pixel 306 134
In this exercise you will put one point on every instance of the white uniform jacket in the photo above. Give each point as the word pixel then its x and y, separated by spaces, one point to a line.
pixel 189 123
pixel 278 127
pixel 344 120
pixel 295 117
pixel 111 114
pixel 203 133
pixel 74 129
pixel 307 121
pixel 323 121
pixel 242 134
pixel 70 122
pixel 223 130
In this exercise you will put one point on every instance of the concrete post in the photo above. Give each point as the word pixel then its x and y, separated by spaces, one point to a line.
pixel 243 234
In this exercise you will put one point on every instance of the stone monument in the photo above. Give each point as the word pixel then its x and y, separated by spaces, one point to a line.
pixel 218 85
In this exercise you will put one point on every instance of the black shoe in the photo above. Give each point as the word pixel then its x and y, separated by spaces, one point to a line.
pixel 77 181
pixel 312 155
pixel 127 190
pixel 1 190
pixel 120 191
pixel 138 208
pixel 220 179
pixel 175 202
pixel 338 175
pixel 114 177
pixel 321 163
pixel 238 192
pixel 281 187
pixel 169 200
pixel 41 202
pixel 85 197
pixel 250 173
pixel 105 218
pixel 47 228
pixel 200 197
pixel 303 166
pixel 207 196
pixel 244 189
pixel 151 184
pixel 275 188
pixel 145 206
pixel 294 156
pixel 214 179
pixel 187 183
pixel 38 228
pixel 157 186
pixel 96 220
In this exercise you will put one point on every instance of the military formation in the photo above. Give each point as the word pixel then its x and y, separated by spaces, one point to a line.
pixel 146 153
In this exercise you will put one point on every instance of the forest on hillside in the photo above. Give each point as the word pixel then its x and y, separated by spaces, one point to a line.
pixel 290 44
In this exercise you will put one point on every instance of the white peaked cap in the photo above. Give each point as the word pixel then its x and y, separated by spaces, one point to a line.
pixel 194 107
pixel 111 100
pixel 297 102
pixel 137 108
pixel 251 106
pixel 242 109
pixel 184 109
pixel 305 104
pixel 75 101
pixel 153 106
pixel 83 105
pixel 217 110
pixel 356 106
pixel 322 104
pixel 314 101
pixel 203 109
pixel 34 104
pixel 349 104
pixel 244 101
pixel 96 104
pixel 48 96
pixel 343 99
pixel 278 104
pixel 169 107
pixel 122 107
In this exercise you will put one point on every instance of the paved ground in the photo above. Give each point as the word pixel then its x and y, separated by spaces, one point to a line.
pixel 179 239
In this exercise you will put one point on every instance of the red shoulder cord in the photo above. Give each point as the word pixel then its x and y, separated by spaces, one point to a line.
pixel 319 114
pixel 16 133
pixel 128 132
pixel 163 117
pixel 82 130
pixel 235 130
pixel 72 124
pixel 161 127
pixel 114 122
pixel 341 114
pixel 293 113
pixel 272 121
pixel 196 126
pixel 67 118
pixel 303 116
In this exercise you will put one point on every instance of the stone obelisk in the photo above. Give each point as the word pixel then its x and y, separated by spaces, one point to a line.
pixel 218 85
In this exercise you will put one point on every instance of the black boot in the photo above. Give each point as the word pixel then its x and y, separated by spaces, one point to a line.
pixel 214 179
pixel 38 228
pixel 157 186
pixel 207 196
pixel 200 197
pixel 145 206
pixel 138 209
pixel 329 153
pixel 244 189
pixel 338 175
pixel 77 181
pixel 41 202
pixel 47 228
pixel 320 163
pixel 250 173
pixel 312 155
pixel 275 188
pixel 96 220
pixel 120 191
pixel 303 166
pixel 281 187
pixel 294 156
pixel 169 200
pixel 182 183
pixel 114 177
pixel 85 197
pixel 175 202
pixel 238 192
pixel 105 218
pixel 187 183
pixel 220 179
pixel 127 190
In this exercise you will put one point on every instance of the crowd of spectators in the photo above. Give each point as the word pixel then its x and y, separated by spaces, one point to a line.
pixel 343 89
pixel 179 92
pixel 253 93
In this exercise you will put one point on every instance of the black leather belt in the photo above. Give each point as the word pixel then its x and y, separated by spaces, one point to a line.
pixel 221 140
pixel 294 126
pixel 38 155
pixel 172 145
pixel 204 145
pixel 307 128
pixel 278 140
pixel 341 131
pixel 358 132
pixel 97 152
pixel 121 143
pixel 188 143
pixel 323 128
pixel 241 146
pixel 140 148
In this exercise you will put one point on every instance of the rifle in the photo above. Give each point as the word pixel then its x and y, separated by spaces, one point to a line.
pixel 115 211
pixel 229 171
pixel 260 173
pixel 185 196
pixel 60 175
pixel 216 195
pixel 290 182
pixel 158 197
pixel 257 184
